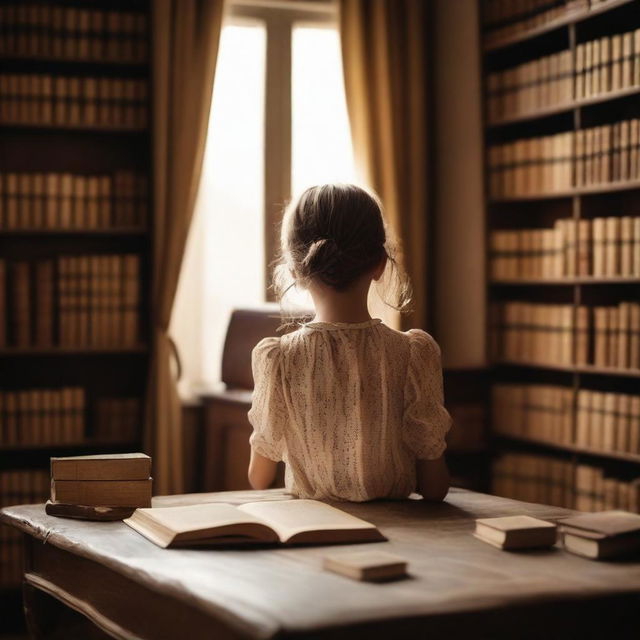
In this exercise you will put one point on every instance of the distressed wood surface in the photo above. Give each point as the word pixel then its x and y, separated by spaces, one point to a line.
pixel 260 593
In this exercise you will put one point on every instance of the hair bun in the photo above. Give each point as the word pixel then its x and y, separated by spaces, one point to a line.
pixel 321 256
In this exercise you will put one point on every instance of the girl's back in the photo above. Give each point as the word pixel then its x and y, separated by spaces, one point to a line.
pixel 349 407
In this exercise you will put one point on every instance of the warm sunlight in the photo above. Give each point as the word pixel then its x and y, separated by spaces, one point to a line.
pixel 321 139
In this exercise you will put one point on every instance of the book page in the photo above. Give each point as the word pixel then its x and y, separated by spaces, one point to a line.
pixel 198 517
pixel 290 517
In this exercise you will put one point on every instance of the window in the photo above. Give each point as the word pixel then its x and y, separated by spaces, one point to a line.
pixel 278 124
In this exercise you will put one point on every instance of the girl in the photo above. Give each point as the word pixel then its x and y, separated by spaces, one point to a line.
pixel 353 407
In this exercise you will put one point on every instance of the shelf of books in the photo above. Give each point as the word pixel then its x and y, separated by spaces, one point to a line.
pixel 74 239
pixel 561 84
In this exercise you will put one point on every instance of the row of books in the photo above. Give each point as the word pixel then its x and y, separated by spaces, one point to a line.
pixel 536 411
pixel 550 413
pixel 507 19
pixel 601 247
pixel 76 301
pixel 545 82
pixel 42 416
pixel 60 201
pixel 608 64
pixel 548 164
pixel 23 486
pixel 70 33
pixel 45 100
pixel 550 480
pixel 117 419
pixel 564 335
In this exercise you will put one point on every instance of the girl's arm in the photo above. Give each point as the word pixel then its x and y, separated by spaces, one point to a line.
pixel 262 471
pixel 433 479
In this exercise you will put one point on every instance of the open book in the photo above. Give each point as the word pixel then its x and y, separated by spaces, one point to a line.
pixel 286 522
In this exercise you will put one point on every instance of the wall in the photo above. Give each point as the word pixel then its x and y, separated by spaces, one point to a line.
pixel 458 263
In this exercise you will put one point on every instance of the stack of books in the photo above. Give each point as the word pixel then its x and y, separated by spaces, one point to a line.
pixel 607 534
pixel 107 480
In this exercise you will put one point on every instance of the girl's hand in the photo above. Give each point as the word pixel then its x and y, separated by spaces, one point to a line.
pixel 433 479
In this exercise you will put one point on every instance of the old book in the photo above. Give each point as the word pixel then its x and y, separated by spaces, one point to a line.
pixel 103 493
pixel 606 534
pixel 21 302
pixel 84 512
pixel 287 522
pixel 115 466
pixel 516 532
pixel 371 566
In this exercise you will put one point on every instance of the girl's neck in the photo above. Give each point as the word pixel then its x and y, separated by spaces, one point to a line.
pixel 341 306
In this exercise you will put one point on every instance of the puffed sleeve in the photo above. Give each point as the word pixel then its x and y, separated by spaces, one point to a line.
pixel 426 421
pixel 267 414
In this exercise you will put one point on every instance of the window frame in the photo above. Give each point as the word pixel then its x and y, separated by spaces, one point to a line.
pixel 279 18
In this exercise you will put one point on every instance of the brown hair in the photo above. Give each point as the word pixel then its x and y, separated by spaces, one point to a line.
pixel 336 233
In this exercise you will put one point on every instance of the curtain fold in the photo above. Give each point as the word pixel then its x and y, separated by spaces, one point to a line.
pixel 384 58
pixel 186 35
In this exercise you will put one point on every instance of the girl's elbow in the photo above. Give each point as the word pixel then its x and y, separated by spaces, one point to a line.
pixel 256 480
pixel 436 494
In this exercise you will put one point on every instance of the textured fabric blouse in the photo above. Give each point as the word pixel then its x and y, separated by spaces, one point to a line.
pixel 349 407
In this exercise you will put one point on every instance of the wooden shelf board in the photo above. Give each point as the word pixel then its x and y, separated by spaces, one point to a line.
pixel 583 280
pixel 572 448
pixel 79 128
pixel 65 351
pixel 583 368
pixel 87 444
pixel 577 15
pixel 140 65
pixel 610 96
pixel 626 185
pixel 115 231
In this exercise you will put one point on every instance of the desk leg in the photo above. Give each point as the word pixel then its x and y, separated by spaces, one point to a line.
pixel 49 619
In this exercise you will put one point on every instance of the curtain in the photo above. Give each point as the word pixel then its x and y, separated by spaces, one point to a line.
pixel 383 52
pixel 186 34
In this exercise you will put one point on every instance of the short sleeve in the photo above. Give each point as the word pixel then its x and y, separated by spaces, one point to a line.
pixel 267 414
pixel 426 421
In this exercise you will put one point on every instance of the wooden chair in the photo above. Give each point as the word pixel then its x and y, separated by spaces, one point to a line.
pixel 226 426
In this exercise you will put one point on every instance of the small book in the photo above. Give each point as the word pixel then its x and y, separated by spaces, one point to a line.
pixel 516 532
pixel 605 534
pixel 103 493
pixel 115 466
pixel 286 522
pixel 367 566
pixel 84 512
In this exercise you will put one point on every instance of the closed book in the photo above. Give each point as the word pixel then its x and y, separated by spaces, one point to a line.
pixel 116 466
pixel 606 534
pixel 103 493
pixel 516 532
pixel 372 566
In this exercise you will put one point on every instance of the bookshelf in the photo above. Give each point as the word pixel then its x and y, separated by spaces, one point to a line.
pixel 75 240
pixel 561 82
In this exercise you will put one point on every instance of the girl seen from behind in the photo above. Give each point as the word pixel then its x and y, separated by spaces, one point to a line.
pixel 353 407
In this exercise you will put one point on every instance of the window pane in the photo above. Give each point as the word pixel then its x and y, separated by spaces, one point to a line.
pixel 224 264
pixel 321 138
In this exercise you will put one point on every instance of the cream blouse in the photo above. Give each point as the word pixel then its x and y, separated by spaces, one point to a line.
pixel 349 408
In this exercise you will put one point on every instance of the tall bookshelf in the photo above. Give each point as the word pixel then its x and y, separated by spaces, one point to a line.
pixel 565 375
pixel 75 240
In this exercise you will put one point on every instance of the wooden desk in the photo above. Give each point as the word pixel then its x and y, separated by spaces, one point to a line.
pixel 459 586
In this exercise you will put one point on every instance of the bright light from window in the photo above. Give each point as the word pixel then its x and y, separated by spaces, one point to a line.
pixel 321 138
pixel 320 134
pixel 226 244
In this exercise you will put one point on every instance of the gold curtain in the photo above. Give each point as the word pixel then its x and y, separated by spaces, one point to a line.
pixel 186 34
pixel 383 51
